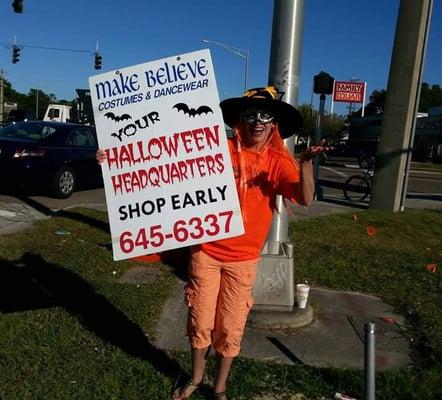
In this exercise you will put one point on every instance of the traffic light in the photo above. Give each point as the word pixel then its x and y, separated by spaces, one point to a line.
pixel 323 83
pixel 98 59
pixel 17 5
pixel 15 54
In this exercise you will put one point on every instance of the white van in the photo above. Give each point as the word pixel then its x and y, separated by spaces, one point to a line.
pixel 58 112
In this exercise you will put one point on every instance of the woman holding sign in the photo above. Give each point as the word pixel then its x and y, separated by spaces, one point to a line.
pixel 222 273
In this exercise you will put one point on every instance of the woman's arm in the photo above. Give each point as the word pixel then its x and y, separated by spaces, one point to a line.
pixel 306 187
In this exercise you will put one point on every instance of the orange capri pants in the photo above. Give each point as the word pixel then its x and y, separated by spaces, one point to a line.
pixel 219 297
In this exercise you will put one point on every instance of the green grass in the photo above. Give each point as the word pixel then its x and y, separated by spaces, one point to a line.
pixel 73 332
pixel 336 252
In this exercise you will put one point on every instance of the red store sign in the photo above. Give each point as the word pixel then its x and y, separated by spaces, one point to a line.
pixel 350 92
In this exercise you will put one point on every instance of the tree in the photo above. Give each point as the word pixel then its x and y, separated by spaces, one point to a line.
pixel 309 117
pixel 376 103
pixel 10 95
pixel 43 101
pixel 430 97
pixel 27 103
pixel 333 128
pixel 332 125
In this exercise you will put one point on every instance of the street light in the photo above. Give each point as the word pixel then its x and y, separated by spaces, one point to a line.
pixel 239 52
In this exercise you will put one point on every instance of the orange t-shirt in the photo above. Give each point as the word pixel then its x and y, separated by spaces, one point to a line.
pixel 268 173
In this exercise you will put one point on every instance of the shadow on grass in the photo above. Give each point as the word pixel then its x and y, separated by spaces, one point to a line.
pixel 177 260
pixel 31 283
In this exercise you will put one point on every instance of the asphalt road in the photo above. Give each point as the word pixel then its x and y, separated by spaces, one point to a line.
pixel 422 182
pixel 43 203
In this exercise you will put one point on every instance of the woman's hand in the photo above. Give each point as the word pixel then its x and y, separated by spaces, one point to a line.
pixel 313 151
pixel 100 156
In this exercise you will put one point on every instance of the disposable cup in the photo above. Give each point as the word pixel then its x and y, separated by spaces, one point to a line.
pixel 302 292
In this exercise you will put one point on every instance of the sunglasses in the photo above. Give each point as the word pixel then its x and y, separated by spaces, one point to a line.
pixel 264 117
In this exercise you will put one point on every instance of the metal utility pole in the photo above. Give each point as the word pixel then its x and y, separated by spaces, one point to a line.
pixel 284 73
pixel 2 99
pixel 243 53
pixel 351 104
pixel 403 93
pixel 36 104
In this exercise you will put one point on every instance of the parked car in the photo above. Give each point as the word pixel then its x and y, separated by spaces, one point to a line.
pixel 59 157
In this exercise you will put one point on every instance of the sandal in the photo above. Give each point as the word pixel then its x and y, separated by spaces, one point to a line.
pixel 220 396
pixel 179 392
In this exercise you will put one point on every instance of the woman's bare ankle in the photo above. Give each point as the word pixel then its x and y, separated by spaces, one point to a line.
pixel 197 380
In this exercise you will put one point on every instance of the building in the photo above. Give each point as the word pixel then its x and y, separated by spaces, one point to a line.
pixel 364 134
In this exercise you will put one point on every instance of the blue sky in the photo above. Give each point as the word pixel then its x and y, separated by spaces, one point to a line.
pixel 346 38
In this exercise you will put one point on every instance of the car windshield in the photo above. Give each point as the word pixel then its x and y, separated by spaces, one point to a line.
pixel 25 130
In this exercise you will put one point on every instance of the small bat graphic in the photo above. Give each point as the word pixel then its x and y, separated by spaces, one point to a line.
pixel 191 112
pixel 117 118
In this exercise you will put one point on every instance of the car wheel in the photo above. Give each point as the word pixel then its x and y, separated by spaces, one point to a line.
pixel 64 183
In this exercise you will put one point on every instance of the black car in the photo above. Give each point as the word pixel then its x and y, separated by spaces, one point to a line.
pixel 59 157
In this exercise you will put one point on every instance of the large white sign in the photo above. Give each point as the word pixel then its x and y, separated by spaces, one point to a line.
pixel 168 177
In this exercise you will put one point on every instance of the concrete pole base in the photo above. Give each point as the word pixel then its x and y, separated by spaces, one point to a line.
pixel 280 320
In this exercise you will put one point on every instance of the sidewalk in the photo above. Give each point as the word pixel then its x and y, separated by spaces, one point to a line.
pixel 18 216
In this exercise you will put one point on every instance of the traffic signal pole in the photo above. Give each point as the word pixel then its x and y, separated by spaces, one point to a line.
pixel 323 84
pixel 316 140
pixel 401 105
